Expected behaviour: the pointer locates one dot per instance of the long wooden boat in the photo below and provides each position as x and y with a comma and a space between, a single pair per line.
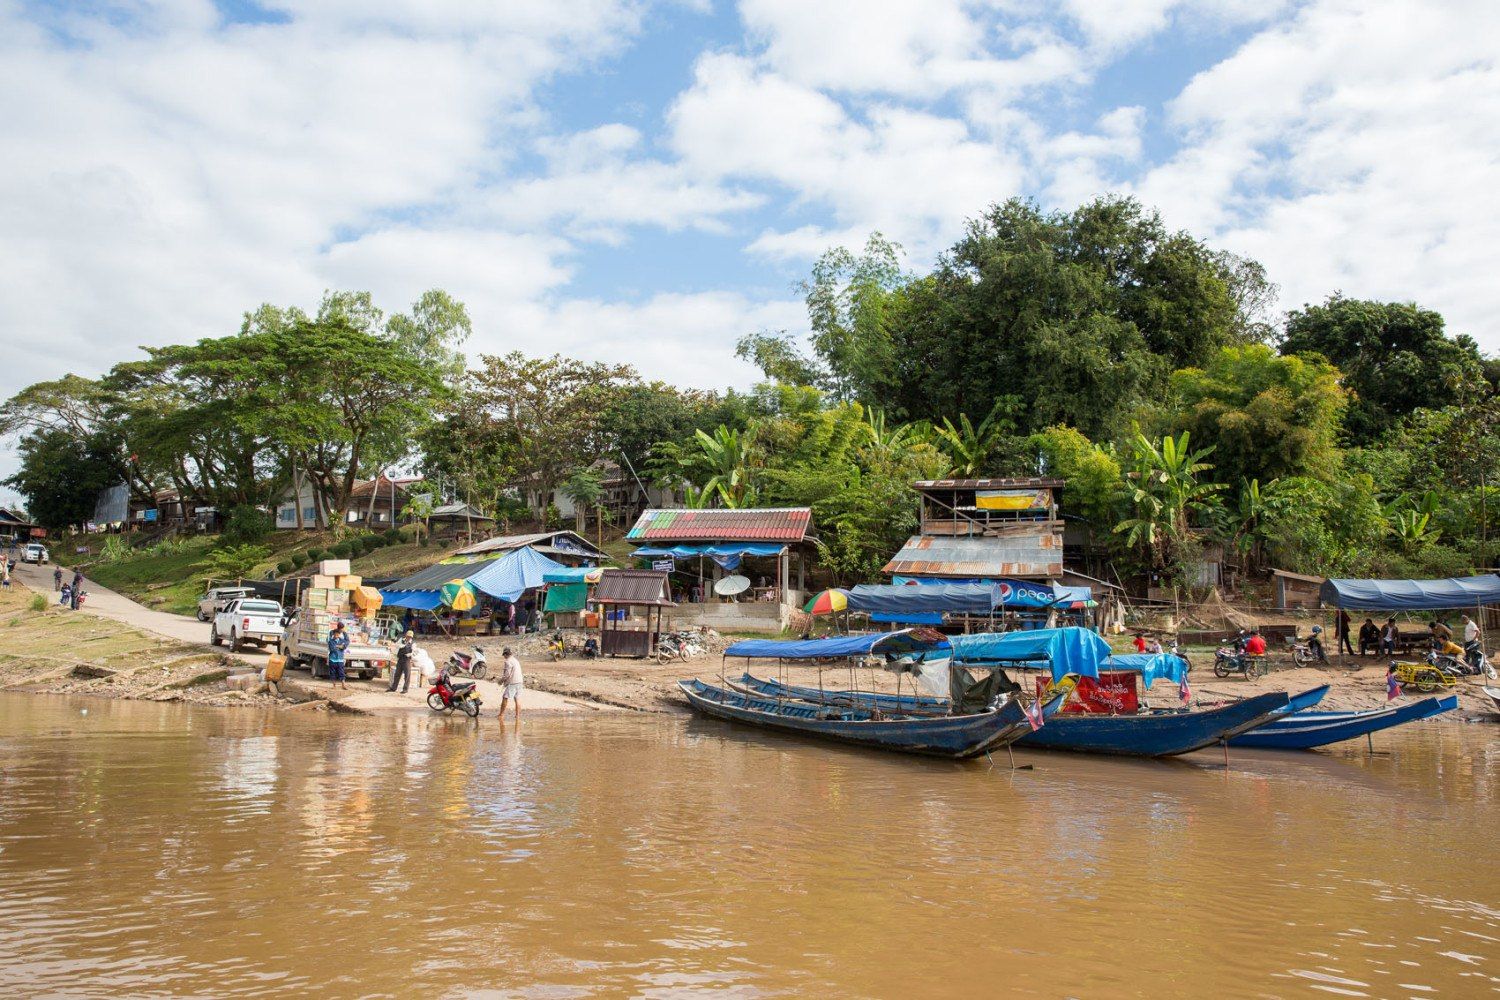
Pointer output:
953, 736
1151, 734
1307, 730
1155, 734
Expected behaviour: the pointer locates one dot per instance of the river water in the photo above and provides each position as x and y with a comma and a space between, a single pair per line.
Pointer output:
167, 850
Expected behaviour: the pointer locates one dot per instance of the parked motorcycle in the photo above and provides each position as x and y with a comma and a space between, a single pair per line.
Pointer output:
445, 696
1311, 651
1232, 659
678, 646
468, 664
1471, 664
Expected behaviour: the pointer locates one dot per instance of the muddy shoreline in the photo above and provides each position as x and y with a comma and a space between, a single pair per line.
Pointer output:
62, 652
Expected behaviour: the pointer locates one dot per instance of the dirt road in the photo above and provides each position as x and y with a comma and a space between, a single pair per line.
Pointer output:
360, 696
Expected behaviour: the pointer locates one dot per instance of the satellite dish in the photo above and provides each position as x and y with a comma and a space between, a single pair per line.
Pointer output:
731, 585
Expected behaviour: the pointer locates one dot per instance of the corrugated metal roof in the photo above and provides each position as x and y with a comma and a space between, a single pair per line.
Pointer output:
1034, 482
1017, 553
633, 586
567, 542
766, 524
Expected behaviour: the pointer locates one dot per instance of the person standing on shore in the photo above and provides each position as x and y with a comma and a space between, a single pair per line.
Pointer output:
5, 573
511, 683
77, 588
403, 663
338, 642
56, 578
1342, 623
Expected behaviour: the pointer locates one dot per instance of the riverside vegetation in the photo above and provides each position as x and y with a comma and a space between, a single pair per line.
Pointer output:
1145, 367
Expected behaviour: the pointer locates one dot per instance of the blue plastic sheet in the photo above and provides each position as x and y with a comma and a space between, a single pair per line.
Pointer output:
417, 600
508, 577
970, 598
1151, 666
833, 646
1413, 595
1066, 650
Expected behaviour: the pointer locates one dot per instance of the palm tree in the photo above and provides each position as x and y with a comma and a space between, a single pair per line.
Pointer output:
725, 456
1166, 493
970, 447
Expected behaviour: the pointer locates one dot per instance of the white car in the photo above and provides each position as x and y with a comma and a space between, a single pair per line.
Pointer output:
248, 619
214, 601
35, 553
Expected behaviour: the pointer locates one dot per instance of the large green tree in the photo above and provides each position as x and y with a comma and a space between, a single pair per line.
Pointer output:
1265, 415
1394, 356
1082, 314
62, 473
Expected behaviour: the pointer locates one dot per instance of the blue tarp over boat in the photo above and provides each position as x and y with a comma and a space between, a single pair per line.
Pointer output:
1067, 650
905, 641
1413, 595
1151, 666
957, 598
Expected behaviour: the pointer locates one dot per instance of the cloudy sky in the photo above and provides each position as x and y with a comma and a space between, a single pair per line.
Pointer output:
645, 181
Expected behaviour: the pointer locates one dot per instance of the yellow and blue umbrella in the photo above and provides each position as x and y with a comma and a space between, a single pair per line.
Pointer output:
458, 595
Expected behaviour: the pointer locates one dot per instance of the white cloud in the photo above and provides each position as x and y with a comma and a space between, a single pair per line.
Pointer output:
911, 174
1352, 148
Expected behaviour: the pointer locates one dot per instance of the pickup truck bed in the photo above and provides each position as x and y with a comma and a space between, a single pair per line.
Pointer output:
363, 660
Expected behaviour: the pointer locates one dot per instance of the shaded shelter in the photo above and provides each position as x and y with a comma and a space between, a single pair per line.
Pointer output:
618, 593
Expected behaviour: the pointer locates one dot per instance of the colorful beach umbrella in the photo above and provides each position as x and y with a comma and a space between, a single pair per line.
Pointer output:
458, 595
827, 602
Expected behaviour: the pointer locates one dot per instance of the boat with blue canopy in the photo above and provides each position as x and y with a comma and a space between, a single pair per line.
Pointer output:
991, 714
1082, 653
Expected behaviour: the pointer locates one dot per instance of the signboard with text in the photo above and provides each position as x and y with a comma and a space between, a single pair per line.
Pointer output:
1114, 693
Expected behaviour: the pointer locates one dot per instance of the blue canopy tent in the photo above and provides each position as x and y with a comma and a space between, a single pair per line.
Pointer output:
840, 646
511, 575
1151, 666
1413, 595
1067, 650
417, 600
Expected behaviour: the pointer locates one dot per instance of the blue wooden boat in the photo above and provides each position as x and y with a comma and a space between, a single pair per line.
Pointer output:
1307, 730
953, 736
860, 699
1307, 699
1149, 734
1155, 734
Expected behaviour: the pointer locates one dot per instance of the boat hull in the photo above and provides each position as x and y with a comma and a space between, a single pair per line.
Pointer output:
1165, 734
956, 737
1309, 730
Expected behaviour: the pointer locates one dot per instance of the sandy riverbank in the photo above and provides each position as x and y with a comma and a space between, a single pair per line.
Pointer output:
107, 653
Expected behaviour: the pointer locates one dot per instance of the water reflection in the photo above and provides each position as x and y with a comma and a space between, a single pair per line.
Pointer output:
155, 848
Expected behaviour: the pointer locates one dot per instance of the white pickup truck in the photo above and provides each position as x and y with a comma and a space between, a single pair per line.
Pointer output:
248, 619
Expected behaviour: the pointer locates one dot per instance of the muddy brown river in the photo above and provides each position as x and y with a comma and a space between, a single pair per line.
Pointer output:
170, 851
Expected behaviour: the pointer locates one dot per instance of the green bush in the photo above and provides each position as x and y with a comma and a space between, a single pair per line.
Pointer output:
236, 562
246, 525
393, 536
340, 550
38, 602
299, 559
284, 567
313, 555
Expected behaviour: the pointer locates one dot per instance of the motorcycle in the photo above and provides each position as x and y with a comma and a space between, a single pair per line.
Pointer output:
1471, 664
1311, 651
1232, 659
468, 664
445, 696
677, 646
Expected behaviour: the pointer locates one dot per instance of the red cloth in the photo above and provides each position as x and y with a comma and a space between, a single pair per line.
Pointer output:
1140, 644
1114, 693
1255, 646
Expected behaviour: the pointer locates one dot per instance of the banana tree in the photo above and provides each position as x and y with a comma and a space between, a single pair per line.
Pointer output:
1167, 495
969, 446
